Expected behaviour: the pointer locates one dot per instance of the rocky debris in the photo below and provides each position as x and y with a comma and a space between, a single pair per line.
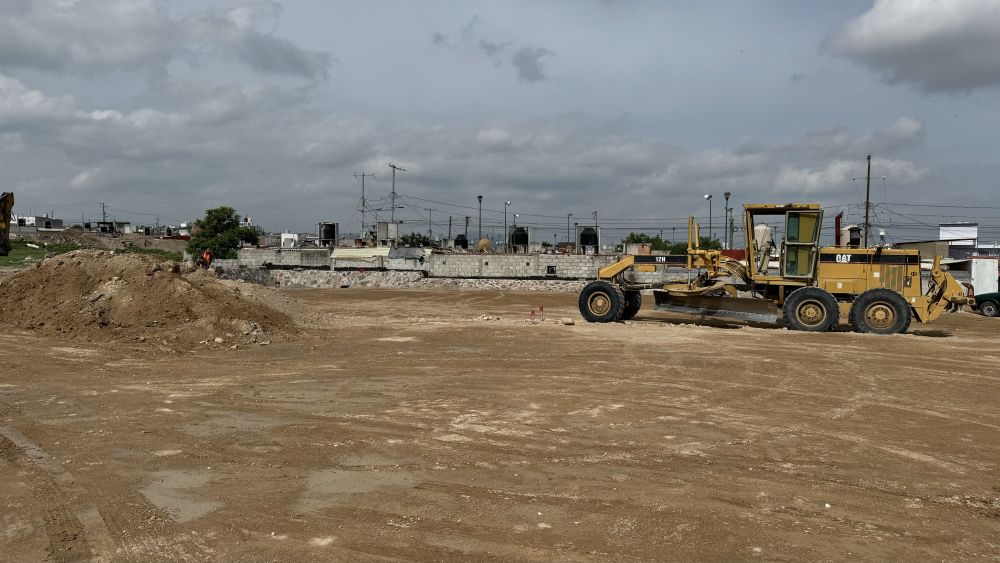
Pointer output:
567, 321
104, 296
394, 280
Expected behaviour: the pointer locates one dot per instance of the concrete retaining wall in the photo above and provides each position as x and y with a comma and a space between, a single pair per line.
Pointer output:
294, 267
553, 266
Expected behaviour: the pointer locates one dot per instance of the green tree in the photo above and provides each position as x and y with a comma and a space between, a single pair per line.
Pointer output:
656, 243
706, 243
220, 231
415, 240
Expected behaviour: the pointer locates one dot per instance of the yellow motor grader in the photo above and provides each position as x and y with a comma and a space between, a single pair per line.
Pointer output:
877, 289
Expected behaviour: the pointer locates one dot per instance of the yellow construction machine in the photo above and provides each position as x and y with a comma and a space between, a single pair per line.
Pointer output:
6, 205
877, 289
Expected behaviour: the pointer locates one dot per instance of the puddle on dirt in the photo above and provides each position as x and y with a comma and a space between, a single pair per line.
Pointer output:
370, 459
325, 488
231, 423
397, 339
72, 354
175, 492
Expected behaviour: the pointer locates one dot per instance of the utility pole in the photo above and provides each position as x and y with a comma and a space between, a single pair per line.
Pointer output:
364, 202
673, 235
466, 227
568, 236
430, 230
480, 198
868, 196
392, 211
104, 214
449, 227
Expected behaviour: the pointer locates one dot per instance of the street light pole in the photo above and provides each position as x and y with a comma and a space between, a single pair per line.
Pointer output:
709, 198
480, 198
568, 237
506, 234
725, 224
598, 233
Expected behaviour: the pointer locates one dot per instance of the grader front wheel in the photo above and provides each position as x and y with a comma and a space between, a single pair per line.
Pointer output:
601, 302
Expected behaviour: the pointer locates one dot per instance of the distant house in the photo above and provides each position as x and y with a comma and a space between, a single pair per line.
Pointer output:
112, 227
43, 222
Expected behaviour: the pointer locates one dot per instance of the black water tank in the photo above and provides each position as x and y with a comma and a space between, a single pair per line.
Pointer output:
327, 234
461, 242
519, 237
588, 237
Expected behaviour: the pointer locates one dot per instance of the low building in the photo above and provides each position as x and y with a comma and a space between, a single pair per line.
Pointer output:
43, 222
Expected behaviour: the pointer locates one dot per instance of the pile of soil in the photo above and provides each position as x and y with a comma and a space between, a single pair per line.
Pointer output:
106, 296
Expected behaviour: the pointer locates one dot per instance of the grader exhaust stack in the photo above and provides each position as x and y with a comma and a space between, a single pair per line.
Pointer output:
877, 290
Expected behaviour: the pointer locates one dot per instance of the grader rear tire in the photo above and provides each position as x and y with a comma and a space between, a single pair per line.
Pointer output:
880, 311
811, 309
601, 302
633, 302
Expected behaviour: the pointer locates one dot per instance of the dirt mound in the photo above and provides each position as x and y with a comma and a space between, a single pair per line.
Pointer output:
102, 296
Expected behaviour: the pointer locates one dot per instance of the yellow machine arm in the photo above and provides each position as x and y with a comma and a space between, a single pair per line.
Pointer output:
6, 204
710, 260
945, 293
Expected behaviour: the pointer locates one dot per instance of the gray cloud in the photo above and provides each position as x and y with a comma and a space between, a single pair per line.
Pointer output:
268, 152
115, 35
174, 107
526, 60
937, 46
494, 51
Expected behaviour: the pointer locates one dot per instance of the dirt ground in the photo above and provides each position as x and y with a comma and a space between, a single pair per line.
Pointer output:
404, 426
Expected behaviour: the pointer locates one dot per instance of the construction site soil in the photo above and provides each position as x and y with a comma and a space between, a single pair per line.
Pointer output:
95, 295
445, 426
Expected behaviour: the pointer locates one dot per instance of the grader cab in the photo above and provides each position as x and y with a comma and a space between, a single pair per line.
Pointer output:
877, 289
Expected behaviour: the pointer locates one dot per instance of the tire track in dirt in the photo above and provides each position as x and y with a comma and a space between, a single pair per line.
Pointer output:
67, 539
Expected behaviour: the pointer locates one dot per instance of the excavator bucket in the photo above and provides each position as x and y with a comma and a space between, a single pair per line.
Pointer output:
744, 308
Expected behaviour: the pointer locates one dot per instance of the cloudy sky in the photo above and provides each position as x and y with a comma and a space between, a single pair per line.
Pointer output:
629, 108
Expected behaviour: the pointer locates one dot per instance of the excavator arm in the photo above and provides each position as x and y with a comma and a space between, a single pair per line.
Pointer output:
6, 205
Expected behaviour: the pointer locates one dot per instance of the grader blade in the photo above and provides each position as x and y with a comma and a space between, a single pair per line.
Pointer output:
747, 309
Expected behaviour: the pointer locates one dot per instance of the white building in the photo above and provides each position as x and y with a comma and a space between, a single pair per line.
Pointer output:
289, 240
959, 234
